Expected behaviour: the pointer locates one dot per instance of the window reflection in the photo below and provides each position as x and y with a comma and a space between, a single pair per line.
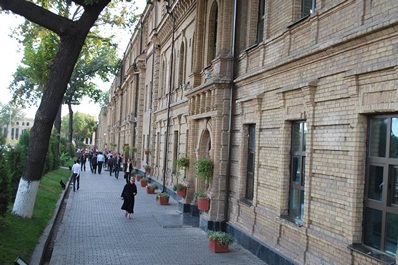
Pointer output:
373, 228
377, 144
394, 138
391, 234
375, 185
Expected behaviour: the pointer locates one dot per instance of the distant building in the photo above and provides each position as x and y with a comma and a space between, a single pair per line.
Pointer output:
14, 130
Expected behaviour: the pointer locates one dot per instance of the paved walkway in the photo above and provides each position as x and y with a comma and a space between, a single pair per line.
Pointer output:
95, 231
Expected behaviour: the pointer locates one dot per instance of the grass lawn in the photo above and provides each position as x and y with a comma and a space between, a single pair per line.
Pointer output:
19, 236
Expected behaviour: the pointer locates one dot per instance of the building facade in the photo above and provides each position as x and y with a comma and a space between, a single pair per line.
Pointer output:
295, 102
12, 131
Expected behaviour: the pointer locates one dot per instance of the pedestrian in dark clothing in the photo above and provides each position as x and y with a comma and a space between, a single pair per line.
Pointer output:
94, 163
83, 160
90, 156
111, 161
128, 195
128, 168
116, 165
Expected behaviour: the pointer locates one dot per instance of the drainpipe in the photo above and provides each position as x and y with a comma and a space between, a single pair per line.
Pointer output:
231, 105
169, 100
151, 96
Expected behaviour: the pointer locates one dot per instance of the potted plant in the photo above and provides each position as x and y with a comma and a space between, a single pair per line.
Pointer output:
180, 189
133, 150
150, 189
144, 182
182, 163
126, 150
204, 169
163, 198
202, 201
219, 241
138, 177
147, 168
147, 151
134, 174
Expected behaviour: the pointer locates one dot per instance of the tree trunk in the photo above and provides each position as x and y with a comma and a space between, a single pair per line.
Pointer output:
70, 122
57, 125
72, 37
25, 198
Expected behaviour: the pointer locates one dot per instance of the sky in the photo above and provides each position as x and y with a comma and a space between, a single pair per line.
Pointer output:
10, 57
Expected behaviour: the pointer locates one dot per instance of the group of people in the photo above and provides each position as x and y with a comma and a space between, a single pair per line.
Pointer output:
98, 160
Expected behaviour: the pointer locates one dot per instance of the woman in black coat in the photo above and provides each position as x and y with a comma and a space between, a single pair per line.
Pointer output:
128, 194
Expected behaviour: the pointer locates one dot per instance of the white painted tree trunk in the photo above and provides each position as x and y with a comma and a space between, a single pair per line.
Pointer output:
26, 197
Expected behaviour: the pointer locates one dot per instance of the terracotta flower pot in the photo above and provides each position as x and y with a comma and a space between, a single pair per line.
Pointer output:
203, 204
144, 183
149, 190
217, 248
163, 200
138, 177
182, 192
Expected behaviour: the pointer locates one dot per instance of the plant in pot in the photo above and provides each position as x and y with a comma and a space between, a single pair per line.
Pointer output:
147, 151
163, 198
138, 176
202, 200
147, 169
180, 189
150, 189
144, 182
219, 241
181, 163
133, 150
134, 174
204, 170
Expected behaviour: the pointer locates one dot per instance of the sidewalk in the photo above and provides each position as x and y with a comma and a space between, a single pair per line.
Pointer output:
95, 231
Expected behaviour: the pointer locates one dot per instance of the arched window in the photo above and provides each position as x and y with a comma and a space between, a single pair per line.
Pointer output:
182, 66
212, 33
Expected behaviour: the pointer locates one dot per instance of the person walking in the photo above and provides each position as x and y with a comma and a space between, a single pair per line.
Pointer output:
76, 174
94, 163
116, 164
128, 197
127, 170
83, 160
90, 156
100, 161
111, 162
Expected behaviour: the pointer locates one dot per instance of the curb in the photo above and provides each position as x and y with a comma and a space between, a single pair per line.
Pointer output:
44, 240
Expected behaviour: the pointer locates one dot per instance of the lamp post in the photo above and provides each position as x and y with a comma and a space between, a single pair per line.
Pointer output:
168, 8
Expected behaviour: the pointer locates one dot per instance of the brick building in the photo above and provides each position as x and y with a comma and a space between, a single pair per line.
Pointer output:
296, 104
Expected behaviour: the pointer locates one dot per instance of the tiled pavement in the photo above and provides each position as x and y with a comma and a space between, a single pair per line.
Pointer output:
94, 230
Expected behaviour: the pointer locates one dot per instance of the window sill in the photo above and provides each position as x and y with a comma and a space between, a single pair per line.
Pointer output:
297, 21
246, 201
372, 253
297, 222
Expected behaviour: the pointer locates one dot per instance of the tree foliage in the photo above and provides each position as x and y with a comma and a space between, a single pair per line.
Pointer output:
83, 126
72, 29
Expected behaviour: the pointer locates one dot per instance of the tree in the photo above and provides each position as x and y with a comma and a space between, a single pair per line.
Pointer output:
83, 126
98, 60
72, 35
